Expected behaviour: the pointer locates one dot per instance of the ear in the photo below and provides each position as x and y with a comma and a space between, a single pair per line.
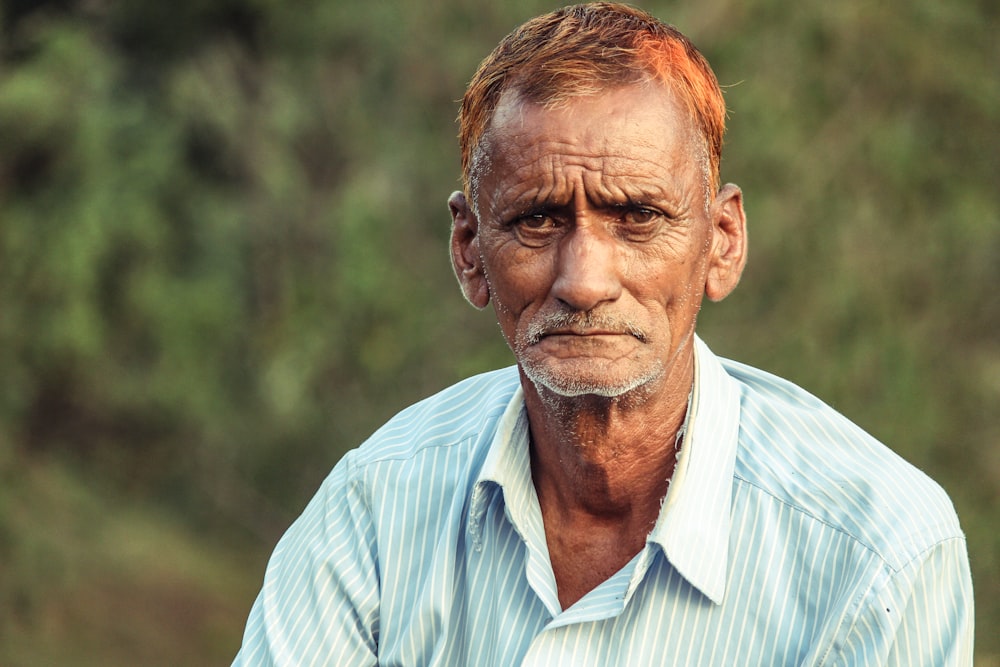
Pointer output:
465, 257
729, 243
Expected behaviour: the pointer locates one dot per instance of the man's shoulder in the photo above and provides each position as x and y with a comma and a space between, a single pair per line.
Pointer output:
802, 453
464, 414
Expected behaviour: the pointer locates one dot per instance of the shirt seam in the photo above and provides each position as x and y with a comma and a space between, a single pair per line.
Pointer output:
838, 652
413, 452
839, 529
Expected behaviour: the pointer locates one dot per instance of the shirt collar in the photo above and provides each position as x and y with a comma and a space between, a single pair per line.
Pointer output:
694, 523
508, 465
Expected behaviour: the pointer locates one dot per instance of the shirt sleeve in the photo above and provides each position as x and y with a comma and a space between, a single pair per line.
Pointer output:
922, 616
320, 598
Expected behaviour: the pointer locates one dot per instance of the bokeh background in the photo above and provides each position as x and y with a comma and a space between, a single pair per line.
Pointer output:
223, 263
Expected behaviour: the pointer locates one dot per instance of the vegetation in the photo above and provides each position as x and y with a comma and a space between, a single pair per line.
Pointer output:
223, 264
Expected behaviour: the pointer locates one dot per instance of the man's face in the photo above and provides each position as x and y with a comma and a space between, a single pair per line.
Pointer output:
595, 237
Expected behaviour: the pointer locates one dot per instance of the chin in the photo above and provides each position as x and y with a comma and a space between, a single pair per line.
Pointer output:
591, 381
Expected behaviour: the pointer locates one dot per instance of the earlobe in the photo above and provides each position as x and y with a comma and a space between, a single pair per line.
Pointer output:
729, 243
465, 257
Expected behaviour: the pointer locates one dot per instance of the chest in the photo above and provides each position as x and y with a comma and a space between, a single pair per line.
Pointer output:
490, 598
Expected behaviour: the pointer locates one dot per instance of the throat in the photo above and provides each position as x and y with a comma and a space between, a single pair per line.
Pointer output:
601, 469
595, 522
585, 557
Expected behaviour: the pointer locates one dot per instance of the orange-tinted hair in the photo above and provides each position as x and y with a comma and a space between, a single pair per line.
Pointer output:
582, 50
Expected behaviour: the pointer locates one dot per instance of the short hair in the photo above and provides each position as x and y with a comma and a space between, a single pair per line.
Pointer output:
583, 50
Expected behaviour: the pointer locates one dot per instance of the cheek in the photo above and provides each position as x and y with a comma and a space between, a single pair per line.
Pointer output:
669, 277
511, 297
505, 293
516, 278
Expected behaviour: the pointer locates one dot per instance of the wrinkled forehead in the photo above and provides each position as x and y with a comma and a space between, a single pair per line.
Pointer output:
525, 124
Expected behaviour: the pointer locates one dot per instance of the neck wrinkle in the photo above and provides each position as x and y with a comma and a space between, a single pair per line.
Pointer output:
605, 458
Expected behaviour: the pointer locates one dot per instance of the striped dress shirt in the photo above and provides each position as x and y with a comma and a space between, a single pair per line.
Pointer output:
788, 536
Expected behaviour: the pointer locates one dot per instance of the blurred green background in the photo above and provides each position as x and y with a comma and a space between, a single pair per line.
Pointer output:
223, 263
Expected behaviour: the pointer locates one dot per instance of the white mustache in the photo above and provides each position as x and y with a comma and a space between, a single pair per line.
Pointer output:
582, 320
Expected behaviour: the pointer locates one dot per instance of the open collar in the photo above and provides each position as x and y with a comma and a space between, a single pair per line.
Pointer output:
693, 526
695, 521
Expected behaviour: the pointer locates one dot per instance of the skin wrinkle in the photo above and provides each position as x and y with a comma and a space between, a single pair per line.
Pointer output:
512, 102
482, 163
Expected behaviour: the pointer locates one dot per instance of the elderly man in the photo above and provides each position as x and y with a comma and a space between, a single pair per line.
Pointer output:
622, 496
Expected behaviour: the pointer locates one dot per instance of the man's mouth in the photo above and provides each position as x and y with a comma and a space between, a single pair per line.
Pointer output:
582, 324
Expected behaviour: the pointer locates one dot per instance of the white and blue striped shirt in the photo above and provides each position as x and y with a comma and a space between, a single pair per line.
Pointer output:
788, 537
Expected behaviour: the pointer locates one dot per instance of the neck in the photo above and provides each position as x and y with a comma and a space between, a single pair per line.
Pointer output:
607, 459
601, 468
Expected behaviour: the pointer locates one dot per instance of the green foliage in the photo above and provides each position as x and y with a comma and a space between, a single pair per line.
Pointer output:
89, 581
223, 243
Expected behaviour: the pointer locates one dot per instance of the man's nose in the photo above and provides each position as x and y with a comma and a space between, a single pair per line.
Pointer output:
587, 269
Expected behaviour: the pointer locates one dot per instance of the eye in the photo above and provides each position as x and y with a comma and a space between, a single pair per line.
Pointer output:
536, 229
640, 223
640, 216
536, 221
